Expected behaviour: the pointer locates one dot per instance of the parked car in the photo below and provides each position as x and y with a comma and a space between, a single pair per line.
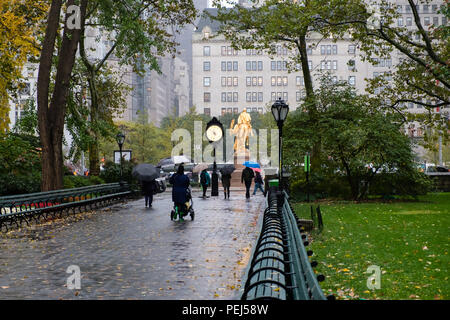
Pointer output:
437, 169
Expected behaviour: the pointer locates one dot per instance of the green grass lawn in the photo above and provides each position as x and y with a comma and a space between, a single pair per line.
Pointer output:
407, 240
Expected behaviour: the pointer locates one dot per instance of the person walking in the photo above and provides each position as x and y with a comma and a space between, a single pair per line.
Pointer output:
148, 189
226, 183
205, 180
247, 177
258, 183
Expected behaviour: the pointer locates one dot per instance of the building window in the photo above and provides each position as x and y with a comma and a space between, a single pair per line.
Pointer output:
229, 81
224, 81
285, 81
223, 97
400, 22
285, 96
260, 65
408, 21
206, 51
407, 8
248, 81
279, 81
273, 65
207, 111
351, 49
352, 80
223, 66
235, 110
223, 50
436, 21
260, 97
334, 64
235, 66
206, 66
273, 81
224, 111
248, 97
206, 81
426, 8
298, 96
235, 97
273, 96
229, 96
299, 81
207, 97
426, 21
260, 81
334, 49
235, 81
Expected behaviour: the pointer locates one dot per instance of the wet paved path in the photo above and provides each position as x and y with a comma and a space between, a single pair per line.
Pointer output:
129, 252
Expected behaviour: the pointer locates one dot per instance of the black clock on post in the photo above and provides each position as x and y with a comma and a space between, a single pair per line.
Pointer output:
214, 134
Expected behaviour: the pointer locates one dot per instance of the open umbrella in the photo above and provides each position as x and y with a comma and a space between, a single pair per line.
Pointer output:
227, 169
145, 172
251, 164
200, 167
256, 170
180, 159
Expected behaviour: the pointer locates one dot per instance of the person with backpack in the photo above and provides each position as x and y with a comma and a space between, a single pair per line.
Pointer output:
247, 177
258, 183
205, 180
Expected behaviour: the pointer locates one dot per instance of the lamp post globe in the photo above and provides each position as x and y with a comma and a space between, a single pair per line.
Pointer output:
280, 111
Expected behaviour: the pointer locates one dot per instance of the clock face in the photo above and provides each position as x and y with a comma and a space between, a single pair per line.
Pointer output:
214, 133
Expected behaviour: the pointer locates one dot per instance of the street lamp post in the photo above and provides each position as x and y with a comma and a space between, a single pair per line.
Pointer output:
120, 138
280, 111
214, 134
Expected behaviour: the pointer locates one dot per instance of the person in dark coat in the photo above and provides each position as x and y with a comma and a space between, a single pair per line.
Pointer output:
226, 183
258, 183
148, 189
180, 183
247, 177
205, 180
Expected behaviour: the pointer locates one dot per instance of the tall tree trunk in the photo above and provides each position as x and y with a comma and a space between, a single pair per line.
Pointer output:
51, 116
311, 104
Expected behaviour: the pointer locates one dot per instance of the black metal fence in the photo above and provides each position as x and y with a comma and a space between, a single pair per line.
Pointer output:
17, 209
280, 267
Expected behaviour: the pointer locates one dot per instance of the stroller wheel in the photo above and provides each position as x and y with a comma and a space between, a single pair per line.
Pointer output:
172, 215
192, 215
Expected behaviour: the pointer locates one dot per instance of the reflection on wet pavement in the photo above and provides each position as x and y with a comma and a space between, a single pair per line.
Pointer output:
130, 252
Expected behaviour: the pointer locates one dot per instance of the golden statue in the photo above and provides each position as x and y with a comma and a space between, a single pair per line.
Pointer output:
242, 130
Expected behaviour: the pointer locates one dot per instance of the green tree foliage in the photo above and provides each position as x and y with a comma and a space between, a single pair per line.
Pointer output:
359, 143
137, 31
149, 144
20, 164
21, 22
111, 93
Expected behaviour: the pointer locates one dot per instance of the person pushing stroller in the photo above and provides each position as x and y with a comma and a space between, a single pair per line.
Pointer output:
180, 194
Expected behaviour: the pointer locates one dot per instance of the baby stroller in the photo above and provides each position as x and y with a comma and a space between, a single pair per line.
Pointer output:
181, 210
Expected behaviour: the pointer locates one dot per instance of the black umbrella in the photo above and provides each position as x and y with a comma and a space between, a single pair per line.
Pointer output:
227, 169
145, 172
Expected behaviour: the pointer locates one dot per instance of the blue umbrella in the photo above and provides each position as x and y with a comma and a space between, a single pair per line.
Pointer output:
251, 164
